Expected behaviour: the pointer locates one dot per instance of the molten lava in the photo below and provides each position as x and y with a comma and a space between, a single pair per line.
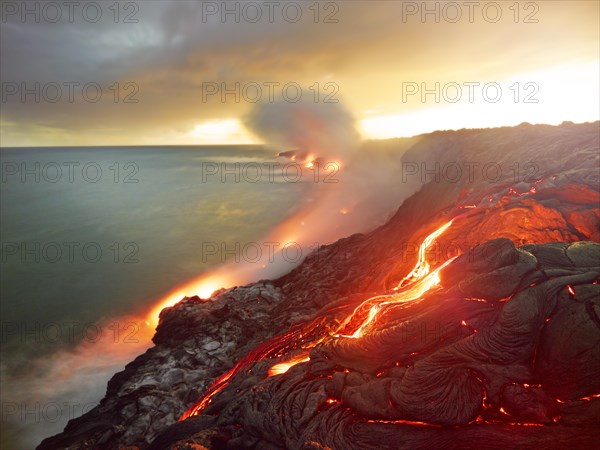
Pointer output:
412, 287
280, 368
292, 340
422, 268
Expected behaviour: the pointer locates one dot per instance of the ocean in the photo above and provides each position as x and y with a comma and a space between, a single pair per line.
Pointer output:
92, 233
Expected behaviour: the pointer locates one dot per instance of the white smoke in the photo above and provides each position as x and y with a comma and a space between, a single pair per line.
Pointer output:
326, 130
369, 186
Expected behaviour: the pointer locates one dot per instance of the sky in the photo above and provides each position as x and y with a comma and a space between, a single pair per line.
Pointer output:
186, 73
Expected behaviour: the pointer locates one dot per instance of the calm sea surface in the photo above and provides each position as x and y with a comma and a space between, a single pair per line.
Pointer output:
96, 232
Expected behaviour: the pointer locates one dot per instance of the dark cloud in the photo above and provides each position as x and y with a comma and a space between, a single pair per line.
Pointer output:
171, 50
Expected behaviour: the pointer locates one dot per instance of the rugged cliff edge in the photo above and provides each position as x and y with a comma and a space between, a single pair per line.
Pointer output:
512, 382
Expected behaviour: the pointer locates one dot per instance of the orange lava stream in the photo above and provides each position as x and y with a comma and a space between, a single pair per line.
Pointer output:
405, 422
283, 367
306, 336
412, 287
292, 340
422, 268
410, 294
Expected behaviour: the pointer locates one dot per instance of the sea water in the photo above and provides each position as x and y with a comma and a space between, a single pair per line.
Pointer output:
90, 233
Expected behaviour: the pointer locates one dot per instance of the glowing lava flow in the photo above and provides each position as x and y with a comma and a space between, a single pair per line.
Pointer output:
411, 287
293, 339
422, 268
283, 367
414, 293
306, 336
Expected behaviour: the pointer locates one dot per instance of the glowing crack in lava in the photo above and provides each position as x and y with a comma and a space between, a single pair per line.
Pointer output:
411, 288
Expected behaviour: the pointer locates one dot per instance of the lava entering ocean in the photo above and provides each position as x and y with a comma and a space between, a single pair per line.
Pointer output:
469, 318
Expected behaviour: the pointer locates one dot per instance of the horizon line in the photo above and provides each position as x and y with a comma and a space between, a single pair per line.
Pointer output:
564, 122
